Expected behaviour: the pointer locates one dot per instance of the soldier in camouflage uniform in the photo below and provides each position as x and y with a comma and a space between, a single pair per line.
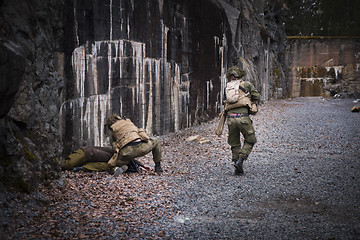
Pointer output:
130, 142
95, 159
238, 120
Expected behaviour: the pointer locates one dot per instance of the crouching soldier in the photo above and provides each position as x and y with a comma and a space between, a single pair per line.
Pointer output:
130, 142
95, 159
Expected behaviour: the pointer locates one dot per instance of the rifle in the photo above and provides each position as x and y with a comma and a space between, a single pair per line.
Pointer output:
113, 159
220, 126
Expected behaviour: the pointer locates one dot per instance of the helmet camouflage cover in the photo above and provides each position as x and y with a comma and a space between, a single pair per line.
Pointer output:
236, 71
112, 119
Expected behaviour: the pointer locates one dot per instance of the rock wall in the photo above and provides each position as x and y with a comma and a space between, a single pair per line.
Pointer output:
67, 65
159, 63
258, 44
30, 33
162, 63
324, 66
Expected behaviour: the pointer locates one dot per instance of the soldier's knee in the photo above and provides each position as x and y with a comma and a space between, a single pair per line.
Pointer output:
65, 165
154, 141
251, 138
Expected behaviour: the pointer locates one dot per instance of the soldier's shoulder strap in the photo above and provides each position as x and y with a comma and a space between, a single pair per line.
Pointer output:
243, 89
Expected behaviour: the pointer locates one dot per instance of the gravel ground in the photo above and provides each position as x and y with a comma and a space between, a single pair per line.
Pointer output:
301, 182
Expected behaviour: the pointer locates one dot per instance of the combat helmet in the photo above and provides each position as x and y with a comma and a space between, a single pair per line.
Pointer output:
112, 119
236, 71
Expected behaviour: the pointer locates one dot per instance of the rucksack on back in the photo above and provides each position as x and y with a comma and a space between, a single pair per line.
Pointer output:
233, 92
238, 96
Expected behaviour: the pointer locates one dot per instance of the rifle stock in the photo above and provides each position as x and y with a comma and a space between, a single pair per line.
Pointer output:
220, 126
113, 159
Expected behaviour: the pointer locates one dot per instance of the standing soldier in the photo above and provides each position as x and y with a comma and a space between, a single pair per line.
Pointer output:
130, 142
241, 99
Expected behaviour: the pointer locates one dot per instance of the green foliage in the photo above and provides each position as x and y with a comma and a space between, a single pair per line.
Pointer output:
323, 18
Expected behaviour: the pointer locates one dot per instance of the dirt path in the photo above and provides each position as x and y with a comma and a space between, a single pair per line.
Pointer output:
300, 182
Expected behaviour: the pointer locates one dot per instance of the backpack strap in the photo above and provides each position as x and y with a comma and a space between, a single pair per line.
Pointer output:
243, 89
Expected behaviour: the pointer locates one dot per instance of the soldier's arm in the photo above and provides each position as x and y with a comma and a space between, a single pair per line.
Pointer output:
111, 140
255, 95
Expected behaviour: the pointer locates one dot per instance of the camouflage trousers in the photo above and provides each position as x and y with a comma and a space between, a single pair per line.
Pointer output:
244, 126
128, 153
78, 159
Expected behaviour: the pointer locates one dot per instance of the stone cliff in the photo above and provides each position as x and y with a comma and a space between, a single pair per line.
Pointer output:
31, 33
158, 63
67, 65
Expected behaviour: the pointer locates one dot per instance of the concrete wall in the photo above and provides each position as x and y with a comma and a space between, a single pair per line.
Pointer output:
320, 66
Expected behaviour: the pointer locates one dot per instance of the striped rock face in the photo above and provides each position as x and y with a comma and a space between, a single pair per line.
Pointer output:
157, 64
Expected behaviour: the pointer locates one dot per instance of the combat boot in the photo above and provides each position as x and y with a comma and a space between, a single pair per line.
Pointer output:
158, 167
76, 169
132, 167
239, 167
119, 170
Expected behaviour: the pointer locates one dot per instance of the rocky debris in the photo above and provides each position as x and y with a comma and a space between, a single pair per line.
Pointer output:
198, 139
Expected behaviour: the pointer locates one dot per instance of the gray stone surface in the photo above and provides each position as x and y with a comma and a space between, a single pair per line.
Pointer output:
30, 86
